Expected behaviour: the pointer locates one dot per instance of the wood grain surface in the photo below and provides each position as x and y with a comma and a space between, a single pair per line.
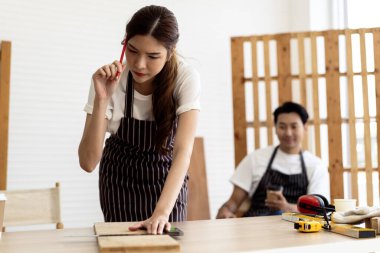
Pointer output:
134, 241
266, 234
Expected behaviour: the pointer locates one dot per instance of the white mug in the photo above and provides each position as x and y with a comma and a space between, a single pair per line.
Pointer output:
343, 205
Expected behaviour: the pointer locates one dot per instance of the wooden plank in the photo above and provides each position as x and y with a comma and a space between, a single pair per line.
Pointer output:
351, 115
255, 89
131, 241
323, 121
301, 65
367, 130
116, 228
283, 62
5, 76
198, 207
138, 243
376, 48
308, 76
240, 134
268, 91
314, 74
333, 114
302, 79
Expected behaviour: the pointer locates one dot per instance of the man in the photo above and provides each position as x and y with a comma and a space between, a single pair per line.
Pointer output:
286, 171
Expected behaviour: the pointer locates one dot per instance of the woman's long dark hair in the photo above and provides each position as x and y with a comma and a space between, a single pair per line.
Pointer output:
161, 24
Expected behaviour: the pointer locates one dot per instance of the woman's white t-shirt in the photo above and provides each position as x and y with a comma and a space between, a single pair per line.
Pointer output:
186, 94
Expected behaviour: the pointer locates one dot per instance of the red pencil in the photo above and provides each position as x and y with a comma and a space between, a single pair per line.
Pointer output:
122, 55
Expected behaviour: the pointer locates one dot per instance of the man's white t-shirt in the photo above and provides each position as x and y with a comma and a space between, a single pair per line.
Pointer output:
252, 168
186, 94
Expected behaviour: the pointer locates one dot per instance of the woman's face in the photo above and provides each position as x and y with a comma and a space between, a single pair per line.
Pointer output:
146, 57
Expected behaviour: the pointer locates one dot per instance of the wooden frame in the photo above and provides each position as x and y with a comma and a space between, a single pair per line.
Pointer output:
337, 74
5, 76
33, 207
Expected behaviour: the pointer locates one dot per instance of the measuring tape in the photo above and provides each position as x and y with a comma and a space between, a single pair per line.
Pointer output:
308, 226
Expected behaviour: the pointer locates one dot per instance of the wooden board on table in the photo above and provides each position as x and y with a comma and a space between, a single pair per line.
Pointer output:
133, 241
116, 228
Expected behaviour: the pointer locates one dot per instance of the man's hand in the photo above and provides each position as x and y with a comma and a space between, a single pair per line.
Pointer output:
276, 201
225, 213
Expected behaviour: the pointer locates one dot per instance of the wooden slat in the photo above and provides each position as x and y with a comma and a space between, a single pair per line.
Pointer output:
376, 47
359, 169
240, 134
302, 79
367, 130
351, 120
305, 34
314, 74
308, 76
283, 62
5, 76
255, 89
333, 114
322, 121
301, 65
268, 91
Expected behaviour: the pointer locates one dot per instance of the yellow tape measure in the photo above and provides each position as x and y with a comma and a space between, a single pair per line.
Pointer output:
307, 226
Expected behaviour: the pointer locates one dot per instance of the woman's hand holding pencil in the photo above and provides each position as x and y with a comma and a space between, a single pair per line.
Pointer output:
106, 78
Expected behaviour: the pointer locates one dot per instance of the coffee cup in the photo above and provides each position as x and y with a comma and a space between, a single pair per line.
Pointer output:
273, 190
343, 205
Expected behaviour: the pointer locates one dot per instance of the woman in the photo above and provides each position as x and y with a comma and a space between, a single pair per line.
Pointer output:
151, 110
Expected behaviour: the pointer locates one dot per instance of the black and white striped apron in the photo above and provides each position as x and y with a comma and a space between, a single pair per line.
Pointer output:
132, 172
294, 186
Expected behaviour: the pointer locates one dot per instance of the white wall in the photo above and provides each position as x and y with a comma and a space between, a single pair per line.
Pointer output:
58, 44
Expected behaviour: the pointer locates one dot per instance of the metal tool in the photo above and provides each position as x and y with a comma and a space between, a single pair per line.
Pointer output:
174, 231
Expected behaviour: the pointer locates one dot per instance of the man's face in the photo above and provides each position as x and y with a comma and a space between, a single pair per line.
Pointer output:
290, 130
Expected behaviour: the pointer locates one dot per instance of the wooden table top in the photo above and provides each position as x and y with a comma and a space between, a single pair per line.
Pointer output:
269, 234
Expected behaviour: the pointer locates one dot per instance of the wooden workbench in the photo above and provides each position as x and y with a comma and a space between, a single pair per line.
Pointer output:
233, 235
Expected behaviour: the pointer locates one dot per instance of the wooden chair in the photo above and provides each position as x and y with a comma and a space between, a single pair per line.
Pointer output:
33, 207
198, 204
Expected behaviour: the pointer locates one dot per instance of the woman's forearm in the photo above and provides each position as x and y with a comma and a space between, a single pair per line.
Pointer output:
173, 183
183, 147
91, 145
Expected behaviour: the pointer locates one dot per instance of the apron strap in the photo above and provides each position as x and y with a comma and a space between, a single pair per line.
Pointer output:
128, 112
272, 158
303, 166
